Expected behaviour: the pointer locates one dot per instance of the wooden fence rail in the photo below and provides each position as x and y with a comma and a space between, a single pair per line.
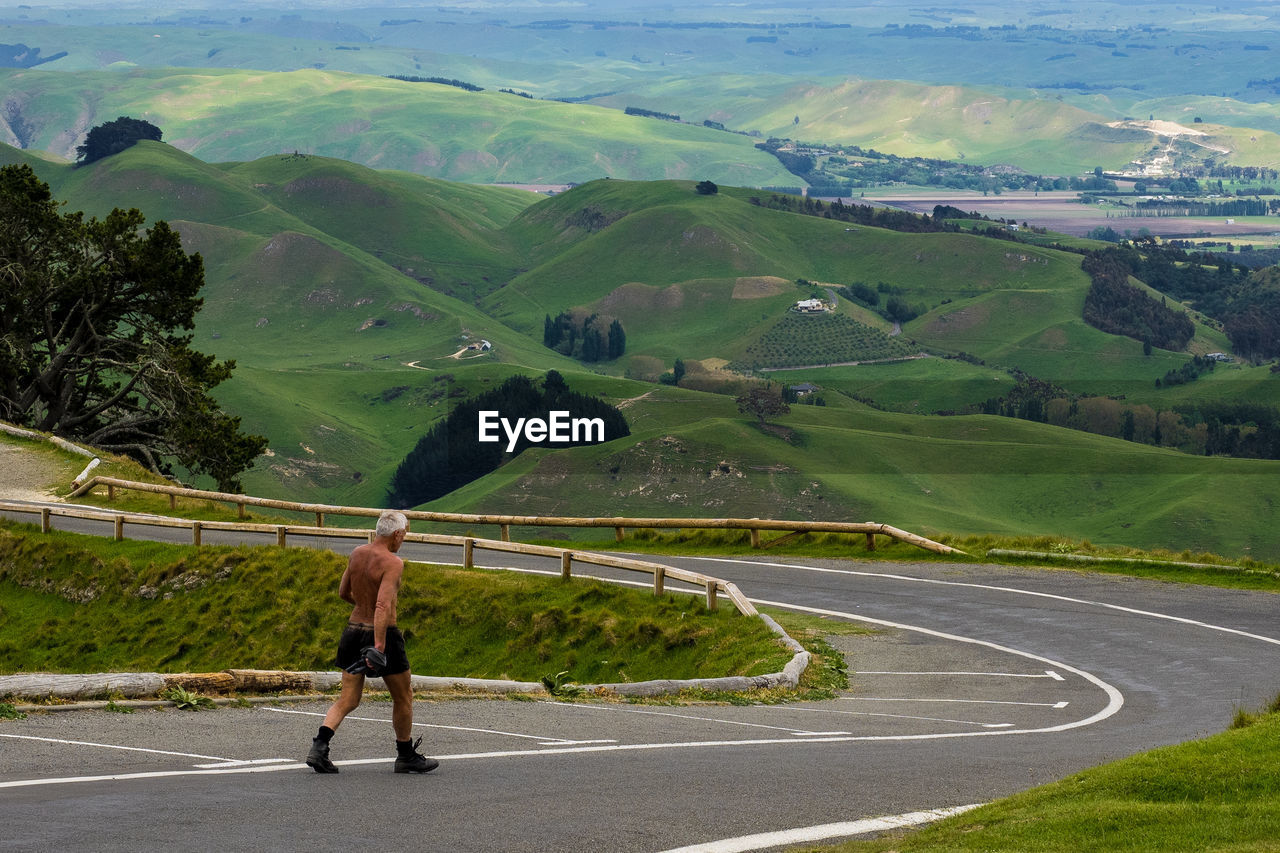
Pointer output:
710, 585
506, 522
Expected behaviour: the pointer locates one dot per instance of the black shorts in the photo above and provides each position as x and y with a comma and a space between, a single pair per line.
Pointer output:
356, 636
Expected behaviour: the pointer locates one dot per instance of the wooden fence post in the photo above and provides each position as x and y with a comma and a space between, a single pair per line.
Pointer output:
173, 501
196, 528
469, 553
619, 533
659, 580
119, 527
871, 541
755, 537
506, 532
240, 507
319, 519
711, 595
111, 492
280, 535
566, 558
45, 520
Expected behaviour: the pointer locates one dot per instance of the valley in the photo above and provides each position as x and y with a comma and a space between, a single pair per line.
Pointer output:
378, 250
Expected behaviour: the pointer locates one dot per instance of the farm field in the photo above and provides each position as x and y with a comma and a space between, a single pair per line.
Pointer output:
1064, 213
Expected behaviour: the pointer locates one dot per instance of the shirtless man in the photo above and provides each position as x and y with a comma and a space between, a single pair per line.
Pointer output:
372, 583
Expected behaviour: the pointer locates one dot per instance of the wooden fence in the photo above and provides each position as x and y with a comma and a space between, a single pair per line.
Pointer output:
756, 526
712, 587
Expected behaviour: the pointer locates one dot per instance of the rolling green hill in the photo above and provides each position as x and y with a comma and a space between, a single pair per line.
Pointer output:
981, 474
430, 129
331, 285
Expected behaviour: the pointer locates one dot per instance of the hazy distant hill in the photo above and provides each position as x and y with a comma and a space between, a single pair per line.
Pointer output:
426, 128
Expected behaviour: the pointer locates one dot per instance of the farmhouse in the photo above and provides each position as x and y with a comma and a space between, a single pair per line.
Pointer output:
811, 306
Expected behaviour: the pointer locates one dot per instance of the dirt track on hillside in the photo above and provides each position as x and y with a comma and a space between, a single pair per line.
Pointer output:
29, 476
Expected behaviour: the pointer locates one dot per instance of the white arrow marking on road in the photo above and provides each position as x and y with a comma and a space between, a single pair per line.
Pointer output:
905, 717
542, 741
957, 701
244, 763
790, 729
1048, 673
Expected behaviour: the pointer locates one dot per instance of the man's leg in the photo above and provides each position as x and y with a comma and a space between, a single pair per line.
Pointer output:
348, 700
408, 760
401, 689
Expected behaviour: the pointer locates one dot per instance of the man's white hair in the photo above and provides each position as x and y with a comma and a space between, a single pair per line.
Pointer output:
390, 522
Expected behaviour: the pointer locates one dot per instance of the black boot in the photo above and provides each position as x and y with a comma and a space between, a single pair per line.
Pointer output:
409, 760
318, 757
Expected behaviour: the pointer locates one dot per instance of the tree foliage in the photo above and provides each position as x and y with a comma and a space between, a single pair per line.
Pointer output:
584, 337
451, 455
1115, 306
763, 403
90, 340
114, 137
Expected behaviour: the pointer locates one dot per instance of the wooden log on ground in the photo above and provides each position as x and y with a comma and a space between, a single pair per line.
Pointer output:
37, 685
270, 681
202, 682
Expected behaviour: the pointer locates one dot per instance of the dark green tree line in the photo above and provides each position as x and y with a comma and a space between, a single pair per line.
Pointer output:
451, 455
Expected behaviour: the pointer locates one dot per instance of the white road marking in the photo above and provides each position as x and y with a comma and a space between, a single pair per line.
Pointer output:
810, 834
1115, 701
1180, 619
1048, 673
117, 746
1055, 705
243, 763
904, 717
791, 729
542, 741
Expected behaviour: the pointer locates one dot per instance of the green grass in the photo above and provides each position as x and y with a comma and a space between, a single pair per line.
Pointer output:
1220, 793
479, 137
1158, 564
82, 604
933, 476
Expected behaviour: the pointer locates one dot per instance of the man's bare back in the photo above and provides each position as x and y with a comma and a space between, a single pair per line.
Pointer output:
372, 584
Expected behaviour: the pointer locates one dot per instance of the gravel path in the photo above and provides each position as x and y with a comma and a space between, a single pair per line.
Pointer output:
29, 475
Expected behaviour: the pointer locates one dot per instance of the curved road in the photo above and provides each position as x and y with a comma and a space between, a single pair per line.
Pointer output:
979, 681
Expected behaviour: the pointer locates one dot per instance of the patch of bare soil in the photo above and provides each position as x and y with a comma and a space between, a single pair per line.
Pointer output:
759, 287
29, 476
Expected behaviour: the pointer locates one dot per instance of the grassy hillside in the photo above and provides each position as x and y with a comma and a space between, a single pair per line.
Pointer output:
980, 125
708, 277
95, 605
699, 457
437, 130
345, 338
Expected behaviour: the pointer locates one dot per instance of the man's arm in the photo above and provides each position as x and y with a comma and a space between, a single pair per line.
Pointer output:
384, 612
344, 586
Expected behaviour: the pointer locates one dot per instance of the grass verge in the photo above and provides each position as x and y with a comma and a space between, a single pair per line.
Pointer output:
73, 603
1220, 793
1211, 569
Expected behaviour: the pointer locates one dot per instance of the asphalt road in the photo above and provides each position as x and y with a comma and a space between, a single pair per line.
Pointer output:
981, 681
